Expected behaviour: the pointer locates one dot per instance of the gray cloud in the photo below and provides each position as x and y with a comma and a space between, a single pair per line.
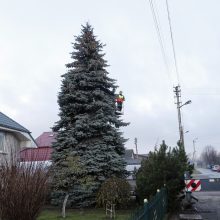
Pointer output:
35, 43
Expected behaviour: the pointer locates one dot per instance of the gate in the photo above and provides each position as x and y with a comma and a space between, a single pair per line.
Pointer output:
208, 184
211, 184
154, 210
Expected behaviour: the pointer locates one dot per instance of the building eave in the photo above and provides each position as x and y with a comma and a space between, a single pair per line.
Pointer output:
6, 128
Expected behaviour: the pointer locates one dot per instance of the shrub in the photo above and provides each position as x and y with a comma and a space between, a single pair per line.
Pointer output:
115, 191
163, 166
23, 189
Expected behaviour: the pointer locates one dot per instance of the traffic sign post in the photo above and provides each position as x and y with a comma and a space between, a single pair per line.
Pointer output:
191, 185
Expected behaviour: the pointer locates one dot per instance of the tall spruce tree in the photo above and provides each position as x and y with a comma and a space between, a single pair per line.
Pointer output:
88, 129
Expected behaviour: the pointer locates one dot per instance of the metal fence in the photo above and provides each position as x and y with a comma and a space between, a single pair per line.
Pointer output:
155, 209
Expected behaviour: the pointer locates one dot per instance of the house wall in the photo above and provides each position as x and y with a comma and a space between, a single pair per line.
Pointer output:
12, 144
131, 168
26, 140
9, 142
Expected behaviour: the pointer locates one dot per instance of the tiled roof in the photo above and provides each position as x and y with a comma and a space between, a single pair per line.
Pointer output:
7, 122
36, 154
46, 139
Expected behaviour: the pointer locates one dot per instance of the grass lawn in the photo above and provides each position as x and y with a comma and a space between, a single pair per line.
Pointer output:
91, 214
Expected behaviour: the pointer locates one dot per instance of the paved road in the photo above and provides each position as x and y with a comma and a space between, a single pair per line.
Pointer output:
209, 201
208, 205
206, 174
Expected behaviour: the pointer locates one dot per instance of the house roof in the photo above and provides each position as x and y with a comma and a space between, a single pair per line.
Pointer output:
36, 154
129, 153
133, 159
46, 139
142, 156
7, 122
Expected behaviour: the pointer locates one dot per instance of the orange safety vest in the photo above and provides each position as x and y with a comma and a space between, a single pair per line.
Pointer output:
120, 98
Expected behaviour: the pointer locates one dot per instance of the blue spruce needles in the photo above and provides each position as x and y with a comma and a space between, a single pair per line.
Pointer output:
89, 147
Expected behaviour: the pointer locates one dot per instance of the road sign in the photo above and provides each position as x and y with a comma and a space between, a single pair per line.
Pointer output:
193, 185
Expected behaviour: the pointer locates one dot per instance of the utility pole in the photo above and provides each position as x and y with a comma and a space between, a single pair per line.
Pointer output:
194, 149
135, 142
177, 92
179, 104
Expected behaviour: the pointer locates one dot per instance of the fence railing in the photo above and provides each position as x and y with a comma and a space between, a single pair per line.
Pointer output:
155, 209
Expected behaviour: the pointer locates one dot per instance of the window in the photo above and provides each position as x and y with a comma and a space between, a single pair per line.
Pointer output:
2, 138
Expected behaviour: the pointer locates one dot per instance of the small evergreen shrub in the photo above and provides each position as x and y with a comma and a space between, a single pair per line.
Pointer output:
164, 166
115, 191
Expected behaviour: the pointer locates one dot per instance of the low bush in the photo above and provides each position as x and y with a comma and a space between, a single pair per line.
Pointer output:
23, 189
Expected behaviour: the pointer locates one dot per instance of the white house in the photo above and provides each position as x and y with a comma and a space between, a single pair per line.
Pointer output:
133, 163
13, 136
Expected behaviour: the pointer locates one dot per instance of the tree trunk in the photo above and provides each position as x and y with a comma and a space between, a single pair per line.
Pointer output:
64, 206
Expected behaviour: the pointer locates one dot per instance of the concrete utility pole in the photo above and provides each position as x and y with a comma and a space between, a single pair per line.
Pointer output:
135, 142
177, 92
179, 104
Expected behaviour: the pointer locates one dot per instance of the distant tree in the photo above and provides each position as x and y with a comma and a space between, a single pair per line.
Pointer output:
163, 167
210, 155
88, 128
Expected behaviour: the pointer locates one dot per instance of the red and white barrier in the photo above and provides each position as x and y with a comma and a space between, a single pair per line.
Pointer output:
193, 185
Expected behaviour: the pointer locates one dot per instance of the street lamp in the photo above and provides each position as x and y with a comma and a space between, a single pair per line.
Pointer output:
186, 103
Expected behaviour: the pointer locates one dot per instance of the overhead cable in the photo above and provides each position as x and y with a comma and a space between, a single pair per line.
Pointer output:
172, 40
157, 26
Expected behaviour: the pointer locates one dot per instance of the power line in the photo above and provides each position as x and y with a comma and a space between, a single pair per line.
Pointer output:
157, 26
203, 91
172, 40
204, 94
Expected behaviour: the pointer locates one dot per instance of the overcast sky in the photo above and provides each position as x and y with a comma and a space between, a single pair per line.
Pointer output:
35, 42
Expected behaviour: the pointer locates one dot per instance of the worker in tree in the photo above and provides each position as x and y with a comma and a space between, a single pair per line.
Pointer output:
119, 100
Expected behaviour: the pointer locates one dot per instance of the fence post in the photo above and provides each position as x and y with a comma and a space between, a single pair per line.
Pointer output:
145, 209
154, 209
164, 201
158, 208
